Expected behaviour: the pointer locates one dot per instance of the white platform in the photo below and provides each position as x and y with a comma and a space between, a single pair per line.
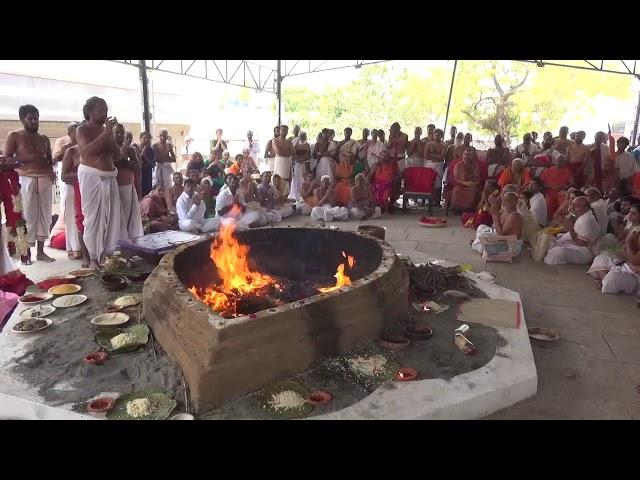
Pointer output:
508, 378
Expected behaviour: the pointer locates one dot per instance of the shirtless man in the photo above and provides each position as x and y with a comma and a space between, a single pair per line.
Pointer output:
431, 128
296, 135
362, 200
497, 157
269, 153
73, 209
97, 173
466, 143
415, 149
324, 198
36, 178
434, 156
165, 156
128, 167
397, 145
452, 132
577, 158
283, 149
561, 143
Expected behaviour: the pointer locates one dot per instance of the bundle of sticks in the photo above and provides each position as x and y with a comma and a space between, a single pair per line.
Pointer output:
432, 279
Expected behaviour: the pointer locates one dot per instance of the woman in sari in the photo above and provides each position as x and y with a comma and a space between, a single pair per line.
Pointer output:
381, 178
515, 175
467, 178
556, 179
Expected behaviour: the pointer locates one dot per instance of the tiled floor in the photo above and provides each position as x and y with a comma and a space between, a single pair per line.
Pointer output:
592, 372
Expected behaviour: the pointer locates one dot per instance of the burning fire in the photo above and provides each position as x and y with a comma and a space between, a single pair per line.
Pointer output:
230, 258
342, 280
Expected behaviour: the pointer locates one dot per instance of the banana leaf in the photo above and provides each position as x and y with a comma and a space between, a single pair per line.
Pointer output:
286, 413
163, 402
140, 331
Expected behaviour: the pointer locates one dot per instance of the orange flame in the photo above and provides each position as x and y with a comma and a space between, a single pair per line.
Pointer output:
230, 258
342, 280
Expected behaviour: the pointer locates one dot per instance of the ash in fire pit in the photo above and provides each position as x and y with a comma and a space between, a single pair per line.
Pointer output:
240, 290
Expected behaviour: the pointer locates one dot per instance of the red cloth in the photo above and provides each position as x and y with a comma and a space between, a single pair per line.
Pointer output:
78, 202
59, 241
419, 179
559, 178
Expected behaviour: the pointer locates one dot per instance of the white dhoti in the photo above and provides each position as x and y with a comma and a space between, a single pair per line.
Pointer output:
324, 167
194, 226
297, 180
282, 167
130, 212
36, 200
328, 213
620, 278
484, 231
244, 221
68, 209
414, 162
163, 175
101, 209
562, 251
303, 208
439, 168
358, 214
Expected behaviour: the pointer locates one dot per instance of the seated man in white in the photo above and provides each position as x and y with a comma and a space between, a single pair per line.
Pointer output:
599, 208
190, 209
537, 202
230, 204
268, 196
581, 241
326, 209
506, 221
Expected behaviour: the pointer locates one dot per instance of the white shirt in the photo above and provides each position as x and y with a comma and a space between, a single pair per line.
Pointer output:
225, 199
254, 149
187, 210
626, 165
373, 153
532, 150
601, 215
538, 207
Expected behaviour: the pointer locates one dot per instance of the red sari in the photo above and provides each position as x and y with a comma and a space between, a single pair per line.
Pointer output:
383, 183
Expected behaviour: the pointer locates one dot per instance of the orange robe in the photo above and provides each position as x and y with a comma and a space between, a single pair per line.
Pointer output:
559, 178
465, 198
342, 191
507, 178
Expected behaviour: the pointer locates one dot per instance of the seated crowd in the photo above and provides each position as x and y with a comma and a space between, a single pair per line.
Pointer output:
569, 202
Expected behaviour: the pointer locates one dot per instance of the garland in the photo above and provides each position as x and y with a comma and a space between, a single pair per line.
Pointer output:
17, 242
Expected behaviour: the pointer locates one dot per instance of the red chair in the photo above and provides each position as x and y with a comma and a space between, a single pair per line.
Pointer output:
418, 184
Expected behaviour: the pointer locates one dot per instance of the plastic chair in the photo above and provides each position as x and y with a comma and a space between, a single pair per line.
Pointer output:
418, 184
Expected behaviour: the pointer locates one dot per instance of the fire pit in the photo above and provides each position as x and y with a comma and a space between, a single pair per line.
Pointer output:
310, 293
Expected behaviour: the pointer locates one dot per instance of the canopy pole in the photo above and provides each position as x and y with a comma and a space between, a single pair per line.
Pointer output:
635, 124
144, 82
279, 93
453, 77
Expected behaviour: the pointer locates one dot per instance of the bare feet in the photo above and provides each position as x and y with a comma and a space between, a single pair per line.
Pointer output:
43, 257
94, 264
598, 284
26, 259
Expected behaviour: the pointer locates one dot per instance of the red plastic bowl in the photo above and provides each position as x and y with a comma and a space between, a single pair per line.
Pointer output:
406, 374
319, 397
96, 358
101, 405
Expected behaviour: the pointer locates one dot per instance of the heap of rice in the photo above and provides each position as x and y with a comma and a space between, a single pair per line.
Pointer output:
370, 366
287, 399
123, 340
140, 407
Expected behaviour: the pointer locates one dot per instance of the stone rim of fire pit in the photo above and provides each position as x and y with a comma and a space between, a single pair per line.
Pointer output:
166, 268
